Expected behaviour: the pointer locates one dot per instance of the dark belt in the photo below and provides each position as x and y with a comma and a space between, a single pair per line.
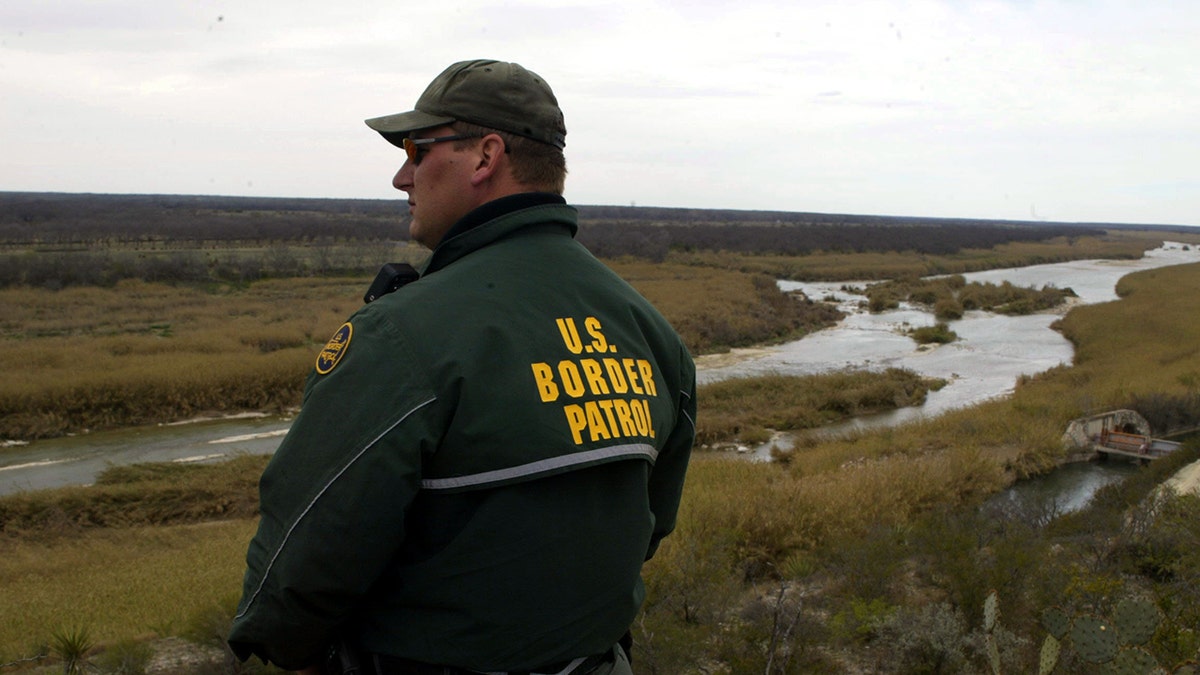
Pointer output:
392, 665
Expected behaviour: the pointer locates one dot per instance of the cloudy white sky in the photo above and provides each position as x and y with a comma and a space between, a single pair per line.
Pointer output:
1066, 110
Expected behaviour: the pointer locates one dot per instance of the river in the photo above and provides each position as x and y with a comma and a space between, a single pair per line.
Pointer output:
992, 353
993, 350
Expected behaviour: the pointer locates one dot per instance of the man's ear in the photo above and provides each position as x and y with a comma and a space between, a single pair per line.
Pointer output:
490, 156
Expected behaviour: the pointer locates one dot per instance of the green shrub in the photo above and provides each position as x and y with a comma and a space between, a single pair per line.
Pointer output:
127, 657
929, 639
861, 619
936, 334
948, 309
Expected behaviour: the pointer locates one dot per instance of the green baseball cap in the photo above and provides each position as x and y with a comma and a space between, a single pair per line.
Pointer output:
492, 94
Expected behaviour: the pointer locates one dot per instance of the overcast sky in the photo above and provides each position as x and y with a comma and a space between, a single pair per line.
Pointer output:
1064, 110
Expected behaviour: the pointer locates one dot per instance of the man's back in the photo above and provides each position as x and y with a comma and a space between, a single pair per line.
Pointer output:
485, 457
526, 453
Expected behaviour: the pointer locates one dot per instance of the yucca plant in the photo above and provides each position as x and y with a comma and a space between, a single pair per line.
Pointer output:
72, 646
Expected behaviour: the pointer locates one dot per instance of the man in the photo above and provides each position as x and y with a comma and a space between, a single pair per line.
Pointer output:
484, 457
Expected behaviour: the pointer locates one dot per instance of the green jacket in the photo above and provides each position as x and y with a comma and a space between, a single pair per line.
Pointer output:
483, 460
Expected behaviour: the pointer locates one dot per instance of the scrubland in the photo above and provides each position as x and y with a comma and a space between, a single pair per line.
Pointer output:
873, 551
137, 353
870, 553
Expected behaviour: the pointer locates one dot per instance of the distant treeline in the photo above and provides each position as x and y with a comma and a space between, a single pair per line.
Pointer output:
50, 221
59, 269
651, 232
654, 241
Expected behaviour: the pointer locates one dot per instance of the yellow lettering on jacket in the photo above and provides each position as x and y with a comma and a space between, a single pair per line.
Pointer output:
631, 373
544, 377
616, 376
572, 383
603, 399
609, 419
570, 335
595, 377
599, 342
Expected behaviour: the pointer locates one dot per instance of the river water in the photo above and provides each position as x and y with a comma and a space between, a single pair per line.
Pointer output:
993, 350
991, 354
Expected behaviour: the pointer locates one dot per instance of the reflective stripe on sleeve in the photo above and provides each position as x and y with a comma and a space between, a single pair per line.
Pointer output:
320, 493
633, 451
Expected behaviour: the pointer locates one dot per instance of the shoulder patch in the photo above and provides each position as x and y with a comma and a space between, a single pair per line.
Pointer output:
335, 349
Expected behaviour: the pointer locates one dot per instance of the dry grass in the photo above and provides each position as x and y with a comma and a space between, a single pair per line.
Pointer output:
148, 550
117, 583
744, 409
716, 309
137, 495
89, 358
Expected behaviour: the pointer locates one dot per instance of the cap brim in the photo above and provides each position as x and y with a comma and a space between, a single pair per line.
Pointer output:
396, 127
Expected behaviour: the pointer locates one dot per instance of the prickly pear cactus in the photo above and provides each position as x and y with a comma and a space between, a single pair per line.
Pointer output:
991, 611
991, 617
1056, 622
1115, 643
1048, 658
1094, 639
1133, 662
1136, 621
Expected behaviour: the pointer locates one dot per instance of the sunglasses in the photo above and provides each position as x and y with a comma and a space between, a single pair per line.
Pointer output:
412, 145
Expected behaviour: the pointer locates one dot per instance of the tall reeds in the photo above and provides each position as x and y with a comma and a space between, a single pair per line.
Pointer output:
744, 409
138, 353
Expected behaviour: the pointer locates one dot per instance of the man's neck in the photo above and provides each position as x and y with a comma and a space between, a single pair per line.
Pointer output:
499, 207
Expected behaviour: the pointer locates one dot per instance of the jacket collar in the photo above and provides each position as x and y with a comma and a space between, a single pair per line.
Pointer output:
498, 219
